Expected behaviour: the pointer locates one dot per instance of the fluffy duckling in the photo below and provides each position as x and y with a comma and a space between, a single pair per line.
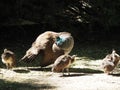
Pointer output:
110, 62
63, 62
8, 58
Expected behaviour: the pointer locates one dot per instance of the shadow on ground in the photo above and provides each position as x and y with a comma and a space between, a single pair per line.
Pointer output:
6, 85
21, 71
116, 74
74, 70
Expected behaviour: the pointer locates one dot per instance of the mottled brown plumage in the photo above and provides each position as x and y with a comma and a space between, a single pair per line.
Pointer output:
45, 49
8, 58
110, 62
63, 62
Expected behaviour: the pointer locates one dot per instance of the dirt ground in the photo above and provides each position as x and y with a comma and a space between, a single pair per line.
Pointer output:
80, 78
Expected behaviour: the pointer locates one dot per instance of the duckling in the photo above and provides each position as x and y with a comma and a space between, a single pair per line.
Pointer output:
8, 58
110, 62
63, 62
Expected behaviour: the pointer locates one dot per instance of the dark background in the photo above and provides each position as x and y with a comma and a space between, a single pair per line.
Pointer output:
85, 19
89, 21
